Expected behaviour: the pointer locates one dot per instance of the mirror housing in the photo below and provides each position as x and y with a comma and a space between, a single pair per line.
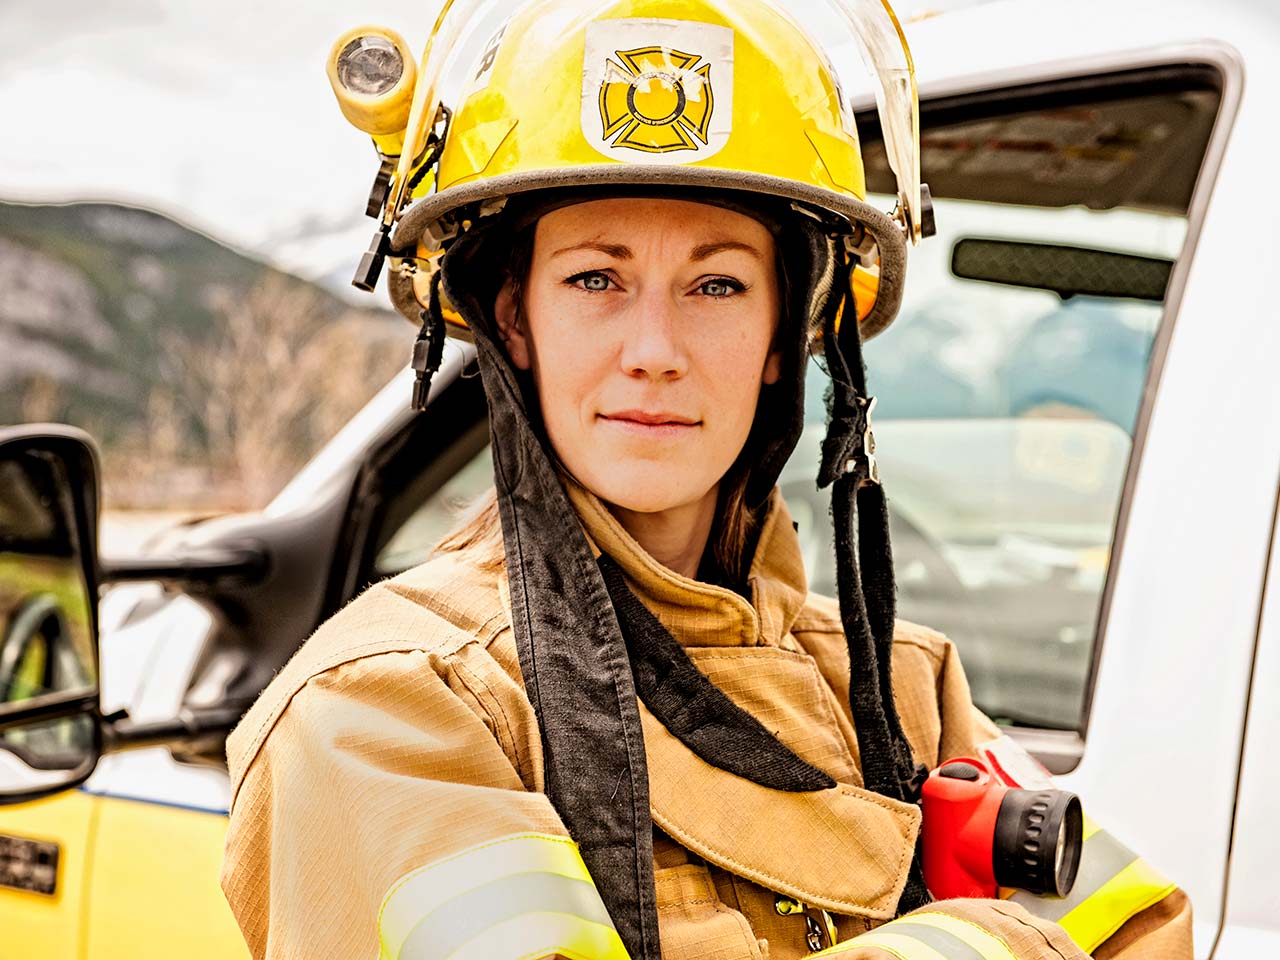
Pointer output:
50, 715
1065, 270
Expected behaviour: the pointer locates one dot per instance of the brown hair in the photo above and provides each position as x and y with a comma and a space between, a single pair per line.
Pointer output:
479, 526
479, 530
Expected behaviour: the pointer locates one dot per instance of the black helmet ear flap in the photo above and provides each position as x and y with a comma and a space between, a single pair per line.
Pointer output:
573, 657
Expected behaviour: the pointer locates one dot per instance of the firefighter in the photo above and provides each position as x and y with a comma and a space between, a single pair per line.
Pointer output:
606, 719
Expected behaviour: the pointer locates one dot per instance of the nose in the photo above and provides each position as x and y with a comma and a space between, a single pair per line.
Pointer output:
652, 339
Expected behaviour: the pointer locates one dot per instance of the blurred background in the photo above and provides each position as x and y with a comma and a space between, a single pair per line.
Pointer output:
182, 210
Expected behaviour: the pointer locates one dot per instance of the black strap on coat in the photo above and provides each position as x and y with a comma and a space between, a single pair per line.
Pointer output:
693, 709
865, 585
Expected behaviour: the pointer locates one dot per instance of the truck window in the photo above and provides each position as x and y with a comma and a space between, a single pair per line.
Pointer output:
1010, 386
412, 542
1009, 394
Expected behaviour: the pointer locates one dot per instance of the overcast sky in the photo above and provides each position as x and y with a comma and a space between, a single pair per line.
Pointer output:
218, 114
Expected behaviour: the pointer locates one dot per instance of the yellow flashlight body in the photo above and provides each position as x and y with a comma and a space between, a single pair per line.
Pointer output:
376, 103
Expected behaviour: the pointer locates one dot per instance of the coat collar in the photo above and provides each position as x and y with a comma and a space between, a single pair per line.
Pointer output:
703, 614
843, 849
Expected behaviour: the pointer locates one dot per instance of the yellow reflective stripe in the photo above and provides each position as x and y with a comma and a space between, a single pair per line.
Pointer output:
1125, 895
535, 935
928, 936
422, 891
453, 923
1112, 885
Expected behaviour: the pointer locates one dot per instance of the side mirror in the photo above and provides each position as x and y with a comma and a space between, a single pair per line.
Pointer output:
50, 718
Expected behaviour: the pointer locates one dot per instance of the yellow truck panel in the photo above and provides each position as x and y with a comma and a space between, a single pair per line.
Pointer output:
43, 925
169, 858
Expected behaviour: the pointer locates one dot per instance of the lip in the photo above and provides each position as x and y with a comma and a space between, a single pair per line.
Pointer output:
651, 424
649, 418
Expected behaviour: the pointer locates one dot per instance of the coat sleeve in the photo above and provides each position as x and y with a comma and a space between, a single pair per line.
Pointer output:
1121, 908
961, 930
380, 815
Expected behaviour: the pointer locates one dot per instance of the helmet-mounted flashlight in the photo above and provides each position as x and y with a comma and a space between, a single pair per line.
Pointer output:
370, 66
372, 73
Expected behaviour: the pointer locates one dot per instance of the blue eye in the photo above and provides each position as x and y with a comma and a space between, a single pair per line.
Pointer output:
720, 287
592, 281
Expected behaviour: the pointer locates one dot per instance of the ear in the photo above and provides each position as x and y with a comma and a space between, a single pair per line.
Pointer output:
772, 368
511, 328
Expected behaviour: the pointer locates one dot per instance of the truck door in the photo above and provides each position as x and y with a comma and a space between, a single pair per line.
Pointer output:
1035, 401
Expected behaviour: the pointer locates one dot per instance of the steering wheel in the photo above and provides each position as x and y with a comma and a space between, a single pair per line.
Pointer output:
39, 616
911, 543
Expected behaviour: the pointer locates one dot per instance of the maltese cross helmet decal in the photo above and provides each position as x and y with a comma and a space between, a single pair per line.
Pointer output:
657, 87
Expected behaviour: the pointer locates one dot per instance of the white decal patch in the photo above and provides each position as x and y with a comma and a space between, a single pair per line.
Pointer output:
657, 91
1012, 765
484, 67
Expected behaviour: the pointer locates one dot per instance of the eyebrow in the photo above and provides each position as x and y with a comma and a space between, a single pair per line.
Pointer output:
707, 250
618, 251
621, 251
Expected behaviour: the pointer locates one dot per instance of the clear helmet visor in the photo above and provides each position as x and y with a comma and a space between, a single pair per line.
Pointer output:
464, 27
878, 34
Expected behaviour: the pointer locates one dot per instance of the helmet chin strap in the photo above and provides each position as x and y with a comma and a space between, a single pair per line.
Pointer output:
865, 581
428, 348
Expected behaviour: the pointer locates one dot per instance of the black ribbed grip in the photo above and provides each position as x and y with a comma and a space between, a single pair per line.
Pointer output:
1037, 841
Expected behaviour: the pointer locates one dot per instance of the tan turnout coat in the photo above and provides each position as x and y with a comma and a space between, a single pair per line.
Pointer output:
400, 734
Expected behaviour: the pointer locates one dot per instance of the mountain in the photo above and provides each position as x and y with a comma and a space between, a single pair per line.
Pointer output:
130, 324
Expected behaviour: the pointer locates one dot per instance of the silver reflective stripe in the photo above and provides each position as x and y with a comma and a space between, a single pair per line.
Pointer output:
947, 944
467, 915
1101, 859
932, 934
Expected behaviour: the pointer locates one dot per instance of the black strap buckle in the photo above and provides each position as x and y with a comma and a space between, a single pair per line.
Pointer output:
850, 446
862, 458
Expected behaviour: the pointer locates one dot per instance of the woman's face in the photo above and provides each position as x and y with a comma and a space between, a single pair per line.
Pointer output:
648, 326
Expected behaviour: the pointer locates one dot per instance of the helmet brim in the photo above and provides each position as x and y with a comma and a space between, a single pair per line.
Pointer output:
890, 240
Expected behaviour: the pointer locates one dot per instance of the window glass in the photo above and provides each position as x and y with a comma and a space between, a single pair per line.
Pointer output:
412, 543
1003, 430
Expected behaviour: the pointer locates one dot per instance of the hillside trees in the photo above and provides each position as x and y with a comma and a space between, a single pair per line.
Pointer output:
240, 410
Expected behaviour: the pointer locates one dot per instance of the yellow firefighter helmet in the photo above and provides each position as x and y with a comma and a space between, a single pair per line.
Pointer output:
721, 94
